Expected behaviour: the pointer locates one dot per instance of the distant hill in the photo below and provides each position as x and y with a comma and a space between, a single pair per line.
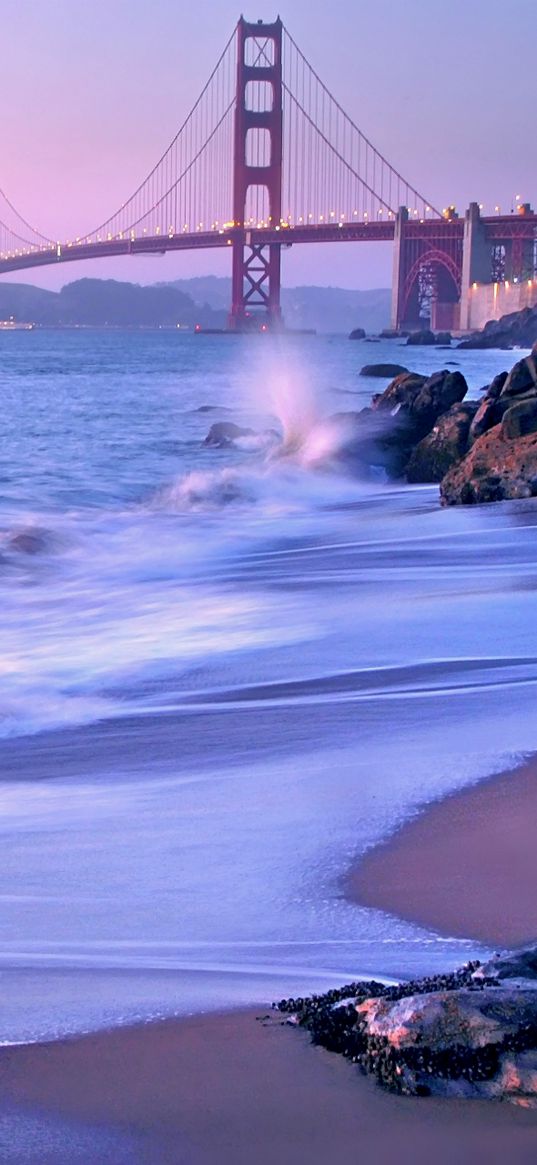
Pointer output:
204, 300
105, 302
327, 309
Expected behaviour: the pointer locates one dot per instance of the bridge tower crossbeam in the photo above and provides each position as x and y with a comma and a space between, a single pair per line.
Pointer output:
256, 278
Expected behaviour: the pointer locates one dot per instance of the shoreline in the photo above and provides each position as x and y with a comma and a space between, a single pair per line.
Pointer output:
465, 866
226, 1089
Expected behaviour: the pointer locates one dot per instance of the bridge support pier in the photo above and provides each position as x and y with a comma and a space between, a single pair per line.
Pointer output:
257, 164
398, 268
476, 260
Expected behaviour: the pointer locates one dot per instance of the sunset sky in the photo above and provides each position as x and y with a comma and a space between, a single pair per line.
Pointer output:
93, 92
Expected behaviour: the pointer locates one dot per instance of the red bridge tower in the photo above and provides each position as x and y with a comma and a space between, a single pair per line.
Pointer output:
257, 165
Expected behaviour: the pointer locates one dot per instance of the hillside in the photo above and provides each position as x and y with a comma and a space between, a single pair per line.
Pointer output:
105, 302
204, 300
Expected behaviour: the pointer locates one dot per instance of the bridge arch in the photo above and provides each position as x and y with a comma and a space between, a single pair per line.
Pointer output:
442, 264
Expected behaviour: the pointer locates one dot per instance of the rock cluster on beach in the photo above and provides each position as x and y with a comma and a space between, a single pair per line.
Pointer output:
478, 451
422, 429
518, 329
501, 461
472, 1033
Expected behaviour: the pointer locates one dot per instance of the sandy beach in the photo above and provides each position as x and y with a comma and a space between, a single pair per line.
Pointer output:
226, 1090
467, 866
230, 1089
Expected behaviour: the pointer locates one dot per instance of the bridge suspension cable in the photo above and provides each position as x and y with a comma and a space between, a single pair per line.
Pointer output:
331, 169
189, 188
17, 235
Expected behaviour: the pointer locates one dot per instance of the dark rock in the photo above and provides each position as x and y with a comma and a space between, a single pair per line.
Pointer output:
443, 447
487, 416
31, 541
496, 468
491, 409
364, 442
223, 433
520, 419
357, 334
414, 403
522, 378
496, 385
424, 337
383, 370
401, 392
518, 964
212, 409
422, 399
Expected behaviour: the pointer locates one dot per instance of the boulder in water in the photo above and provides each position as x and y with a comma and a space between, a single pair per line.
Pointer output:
223, 433
426, 337
357, 334
383, 370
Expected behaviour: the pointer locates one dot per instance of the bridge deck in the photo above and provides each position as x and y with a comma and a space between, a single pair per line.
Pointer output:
501, 228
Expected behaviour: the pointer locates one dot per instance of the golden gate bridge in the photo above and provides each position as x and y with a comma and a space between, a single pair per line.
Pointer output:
267, 158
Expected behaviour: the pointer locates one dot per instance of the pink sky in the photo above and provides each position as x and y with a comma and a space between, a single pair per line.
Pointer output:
92, 93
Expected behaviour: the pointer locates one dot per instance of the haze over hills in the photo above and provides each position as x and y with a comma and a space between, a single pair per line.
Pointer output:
203, 300
327, 309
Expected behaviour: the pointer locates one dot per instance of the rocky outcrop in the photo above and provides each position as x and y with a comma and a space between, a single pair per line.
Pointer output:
422, 399
472, 1033
357, 334
444, 446
383, 370
516, 329
502, 458
496, 468
518, 964
415, 403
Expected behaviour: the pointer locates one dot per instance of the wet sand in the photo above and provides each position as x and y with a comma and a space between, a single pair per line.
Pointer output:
466, 866
226, 1090
229, 1089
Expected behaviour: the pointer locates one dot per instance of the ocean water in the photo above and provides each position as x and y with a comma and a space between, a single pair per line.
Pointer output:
224, 674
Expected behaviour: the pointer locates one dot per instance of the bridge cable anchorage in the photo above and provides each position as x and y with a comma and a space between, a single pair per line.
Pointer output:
341, 133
